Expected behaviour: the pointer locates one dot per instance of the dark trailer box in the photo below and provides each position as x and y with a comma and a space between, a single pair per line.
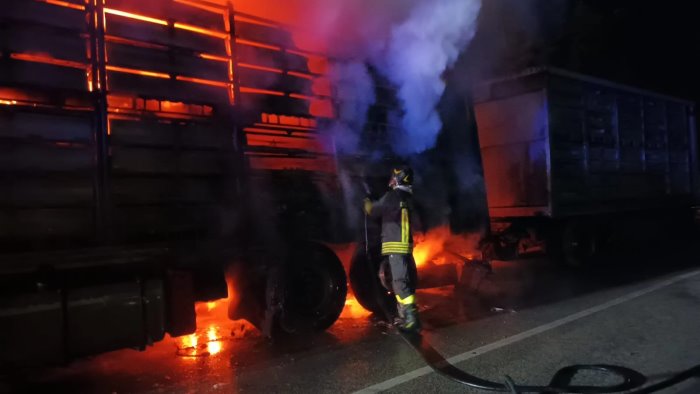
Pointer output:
559, 144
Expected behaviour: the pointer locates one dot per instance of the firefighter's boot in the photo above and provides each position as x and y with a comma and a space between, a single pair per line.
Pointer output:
408, 315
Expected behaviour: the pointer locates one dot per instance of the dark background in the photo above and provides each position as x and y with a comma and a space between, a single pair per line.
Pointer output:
645, 43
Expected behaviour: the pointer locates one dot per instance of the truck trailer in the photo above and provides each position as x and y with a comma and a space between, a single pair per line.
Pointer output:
151, 150
144, 147
570, 160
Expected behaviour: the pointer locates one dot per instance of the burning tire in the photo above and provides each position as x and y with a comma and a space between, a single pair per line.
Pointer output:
315, 288
365, 283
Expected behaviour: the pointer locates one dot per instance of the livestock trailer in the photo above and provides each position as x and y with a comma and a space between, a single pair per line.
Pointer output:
566, 157
145, 146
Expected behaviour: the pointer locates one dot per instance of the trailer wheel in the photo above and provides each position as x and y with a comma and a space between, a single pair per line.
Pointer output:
315, 290
578, 244
365, 283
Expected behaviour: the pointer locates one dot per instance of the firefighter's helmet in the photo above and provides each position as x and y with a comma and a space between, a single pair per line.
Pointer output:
401, 176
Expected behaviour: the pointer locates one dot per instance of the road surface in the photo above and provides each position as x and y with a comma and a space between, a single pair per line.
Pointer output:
641, 311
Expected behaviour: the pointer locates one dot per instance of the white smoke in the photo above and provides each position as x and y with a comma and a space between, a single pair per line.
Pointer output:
355, 90
418, 52
411, 43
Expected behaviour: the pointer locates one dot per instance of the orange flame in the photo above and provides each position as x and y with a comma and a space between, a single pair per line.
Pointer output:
214, 341
353, 309
431, 244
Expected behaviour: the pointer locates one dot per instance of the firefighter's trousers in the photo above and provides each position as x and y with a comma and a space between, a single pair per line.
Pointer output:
404, 275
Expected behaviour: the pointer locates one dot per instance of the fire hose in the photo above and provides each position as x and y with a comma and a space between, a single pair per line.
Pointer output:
560, 382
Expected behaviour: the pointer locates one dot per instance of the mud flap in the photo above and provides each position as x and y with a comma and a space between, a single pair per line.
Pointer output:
182, 319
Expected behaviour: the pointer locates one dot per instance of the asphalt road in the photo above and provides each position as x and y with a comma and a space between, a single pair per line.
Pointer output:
641, 312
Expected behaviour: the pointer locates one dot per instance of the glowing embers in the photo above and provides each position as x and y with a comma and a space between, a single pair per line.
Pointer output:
261, 91
209, 82
286, 120
47, 59
257, 44
155, 74
162, 22
301, 97
146, 73
201, 344
207, 340
65, 4
8, 102
214, 57
139, 17
273, 162
118, 103
287, 134
214, 330
261, 68
301, 75
201, 30
262, 138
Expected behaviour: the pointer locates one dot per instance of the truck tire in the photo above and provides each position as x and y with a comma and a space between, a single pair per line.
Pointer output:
366, 285
315, 287
577, 244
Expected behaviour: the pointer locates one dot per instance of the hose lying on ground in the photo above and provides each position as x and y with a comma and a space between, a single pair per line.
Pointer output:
560, 383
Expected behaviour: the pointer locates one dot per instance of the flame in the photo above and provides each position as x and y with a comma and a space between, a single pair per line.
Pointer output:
431, 247
207, 340
431, 244
214, 344
213, 328
353, 309
190, 341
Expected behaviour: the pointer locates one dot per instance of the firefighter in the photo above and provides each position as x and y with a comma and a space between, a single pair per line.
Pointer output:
395, 210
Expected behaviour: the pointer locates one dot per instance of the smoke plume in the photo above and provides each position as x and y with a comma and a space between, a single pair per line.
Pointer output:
355, 89
418, 52
410, 43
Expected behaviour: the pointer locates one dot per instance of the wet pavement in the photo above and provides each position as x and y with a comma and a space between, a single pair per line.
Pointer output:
531, 319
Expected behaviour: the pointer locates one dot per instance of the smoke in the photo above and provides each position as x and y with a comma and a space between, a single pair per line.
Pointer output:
355, 89
409, 43
517, 34
418, 52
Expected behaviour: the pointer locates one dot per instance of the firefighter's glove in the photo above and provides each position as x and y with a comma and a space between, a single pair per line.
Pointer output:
368, 206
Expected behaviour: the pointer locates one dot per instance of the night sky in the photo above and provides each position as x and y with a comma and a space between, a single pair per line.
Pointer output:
650, 44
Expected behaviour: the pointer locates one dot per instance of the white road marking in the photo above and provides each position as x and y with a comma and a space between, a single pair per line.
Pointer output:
417, 373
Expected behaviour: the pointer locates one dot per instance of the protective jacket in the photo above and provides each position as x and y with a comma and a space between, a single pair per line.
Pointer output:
396, 209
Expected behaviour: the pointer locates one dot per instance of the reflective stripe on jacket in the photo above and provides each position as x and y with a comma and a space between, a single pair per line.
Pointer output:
395, 209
